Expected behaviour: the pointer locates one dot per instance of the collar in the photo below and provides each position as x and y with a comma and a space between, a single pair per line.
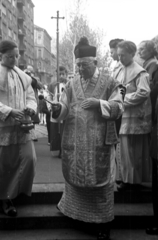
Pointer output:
132, 71
118, 65
149, 62
96, 73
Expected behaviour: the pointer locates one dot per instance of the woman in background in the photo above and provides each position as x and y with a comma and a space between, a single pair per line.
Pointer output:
147, 53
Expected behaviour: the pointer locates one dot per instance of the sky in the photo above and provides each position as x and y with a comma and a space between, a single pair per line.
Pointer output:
133, 20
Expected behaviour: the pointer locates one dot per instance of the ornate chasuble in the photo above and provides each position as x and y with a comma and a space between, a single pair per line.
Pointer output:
86, 157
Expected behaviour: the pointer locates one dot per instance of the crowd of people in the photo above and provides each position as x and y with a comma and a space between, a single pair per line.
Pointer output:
104, 126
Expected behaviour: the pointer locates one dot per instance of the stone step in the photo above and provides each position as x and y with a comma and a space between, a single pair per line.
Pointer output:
73, 234
51, 194
46, 216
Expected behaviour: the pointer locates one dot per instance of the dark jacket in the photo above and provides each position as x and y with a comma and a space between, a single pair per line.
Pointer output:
45, 110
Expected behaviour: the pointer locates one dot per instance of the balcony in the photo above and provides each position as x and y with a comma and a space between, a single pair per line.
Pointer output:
21, 16
21, 32
20, 2
22, 47
22, 61
4, 18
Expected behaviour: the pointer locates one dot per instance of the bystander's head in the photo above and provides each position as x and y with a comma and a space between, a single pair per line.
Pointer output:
147, 50
63, 74
126, 51
113, 48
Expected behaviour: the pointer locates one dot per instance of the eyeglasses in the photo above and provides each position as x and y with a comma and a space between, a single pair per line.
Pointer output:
85, 64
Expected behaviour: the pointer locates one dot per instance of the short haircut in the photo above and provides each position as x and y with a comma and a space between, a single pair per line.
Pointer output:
7, 45
150, 47
62, 68
114, 42
128, 46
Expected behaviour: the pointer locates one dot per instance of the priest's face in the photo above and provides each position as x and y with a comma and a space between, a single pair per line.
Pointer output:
86, 68
10, 58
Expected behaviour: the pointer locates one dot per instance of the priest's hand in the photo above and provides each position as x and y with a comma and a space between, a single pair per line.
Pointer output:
30, 112
90, 103
122, 90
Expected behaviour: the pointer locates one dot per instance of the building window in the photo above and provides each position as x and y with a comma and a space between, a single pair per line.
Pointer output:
4, 29
14, 3
14, 19
4, 10
31, 11
9, 32
10, 16
39, 65
14, 36
39, 53
39, 36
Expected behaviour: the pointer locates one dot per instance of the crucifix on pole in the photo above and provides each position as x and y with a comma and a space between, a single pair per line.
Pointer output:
57, 46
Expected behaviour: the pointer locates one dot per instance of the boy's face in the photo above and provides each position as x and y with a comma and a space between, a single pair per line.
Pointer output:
62, 76
10, 58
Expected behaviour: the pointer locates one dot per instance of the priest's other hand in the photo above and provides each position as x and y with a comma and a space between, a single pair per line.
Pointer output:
55, 106
90, 103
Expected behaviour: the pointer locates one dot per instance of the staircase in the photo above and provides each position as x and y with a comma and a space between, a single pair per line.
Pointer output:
133, 209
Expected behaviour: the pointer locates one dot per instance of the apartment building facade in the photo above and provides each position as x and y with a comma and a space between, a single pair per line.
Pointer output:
8, 20
17, 24
43, 56
25, 21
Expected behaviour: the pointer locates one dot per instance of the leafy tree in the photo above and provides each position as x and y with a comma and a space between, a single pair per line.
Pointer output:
78, 27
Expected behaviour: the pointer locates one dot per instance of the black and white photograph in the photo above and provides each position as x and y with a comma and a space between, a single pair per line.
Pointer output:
78, 120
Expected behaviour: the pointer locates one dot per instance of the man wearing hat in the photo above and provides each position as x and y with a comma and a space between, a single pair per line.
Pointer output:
89, 104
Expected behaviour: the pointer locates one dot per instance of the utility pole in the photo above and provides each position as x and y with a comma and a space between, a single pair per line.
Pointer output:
57, 47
